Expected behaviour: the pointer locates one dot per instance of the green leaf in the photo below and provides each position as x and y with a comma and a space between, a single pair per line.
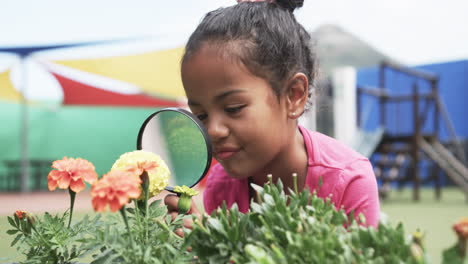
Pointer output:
105, 257
12, 231
451, 256
23, 225
147, 255
257, 188
258, 254
130, 210
168, 219
216, 224
16, 220
268, 199
17, 238
12, 222
155, 203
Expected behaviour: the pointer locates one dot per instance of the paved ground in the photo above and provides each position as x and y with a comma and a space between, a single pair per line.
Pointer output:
57, 201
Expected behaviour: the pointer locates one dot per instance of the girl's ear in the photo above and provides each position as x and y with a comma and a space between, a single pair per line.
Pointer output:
297, 95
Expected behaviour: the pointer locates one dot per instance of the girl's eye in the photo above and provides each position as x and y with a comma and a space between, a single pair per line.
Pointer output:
202, 117
234, 110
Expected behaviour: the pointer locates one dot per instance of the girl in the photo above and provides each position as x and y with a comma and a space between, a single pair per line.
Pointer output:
248, 71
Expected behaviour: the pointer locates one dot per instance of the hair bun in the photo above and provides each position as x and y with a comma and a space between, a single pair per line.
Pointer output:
290, 5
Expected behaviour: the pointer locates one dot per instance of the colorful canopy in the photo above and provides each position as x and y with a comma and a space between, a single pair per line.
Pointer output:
77, 93
7, 91
156, 72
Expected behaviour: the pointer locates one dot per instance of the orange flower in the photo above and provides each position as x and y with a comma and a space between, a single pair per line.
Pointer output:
461, 228
115, 189
70, 173
139, 167
20, 214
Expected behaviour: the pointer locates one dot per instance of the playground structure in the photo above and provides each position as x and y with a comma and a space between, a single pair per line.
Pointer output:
398, 155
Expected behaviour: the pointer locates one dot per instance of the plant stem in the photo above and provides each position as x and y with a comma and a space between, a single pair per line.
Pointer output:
137, 209
143, 204
124, 216
296, 188
72, 204
462, 246
164, 226
145, 186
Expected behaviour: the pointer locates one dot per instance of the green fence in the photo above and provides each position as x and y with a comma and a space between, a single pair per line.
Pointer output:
98, 134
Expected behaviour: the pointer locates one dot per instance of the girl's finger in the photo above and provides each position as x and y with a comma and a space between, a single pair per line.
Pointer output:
179, 232
171, 201
173, 214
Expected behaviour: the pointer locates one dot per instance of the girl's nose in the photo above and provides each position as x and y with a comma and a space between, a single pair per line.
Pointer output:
216, 129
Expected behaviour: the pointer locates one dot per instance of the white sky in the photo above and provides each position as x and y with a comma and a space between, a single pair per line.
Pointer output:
411, 31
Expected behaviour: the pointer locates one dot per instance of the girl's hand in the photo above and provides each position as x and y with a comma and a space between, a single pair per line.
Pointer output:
171, 201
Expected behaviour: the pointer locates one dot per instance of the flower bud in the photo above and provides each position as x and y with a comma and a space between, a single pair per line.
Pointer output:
185, 199
31, 219
184, 204
417, 252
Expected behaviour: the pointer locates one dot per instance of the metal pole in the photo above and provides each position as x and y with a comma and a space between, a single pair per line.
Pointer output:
417, 134
358, 106
435, 93
382, 100
24, 127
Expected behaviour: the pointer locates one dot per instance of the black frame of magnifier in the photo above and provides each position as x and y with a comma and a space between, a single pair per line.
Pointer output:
199, 125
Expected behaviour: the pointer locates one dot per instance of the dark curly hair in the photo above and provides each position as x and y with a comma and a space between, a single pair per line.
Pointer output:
263, 36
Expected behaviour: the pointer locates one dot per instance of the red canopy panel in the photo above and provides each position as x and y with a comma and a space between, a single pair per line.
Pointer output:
76, 93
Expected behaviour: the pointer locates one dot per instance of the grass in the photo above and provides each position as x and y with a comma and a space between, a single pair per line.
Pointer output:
434, 218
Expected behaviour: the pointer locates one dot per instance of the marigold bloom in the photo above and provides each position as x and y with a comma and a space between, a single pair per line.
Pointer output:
71, 173
21, 214
115, 189
139, 161
461, 228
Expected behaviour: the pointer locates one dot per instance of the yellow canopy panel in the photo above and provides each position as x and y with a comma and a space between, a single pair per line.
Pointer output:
155, 72
7, 91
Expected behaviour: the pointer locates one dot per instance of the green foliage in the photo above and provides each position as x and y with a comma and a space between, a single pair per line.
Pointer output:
454, 255
296, 228
152, 238
48, 240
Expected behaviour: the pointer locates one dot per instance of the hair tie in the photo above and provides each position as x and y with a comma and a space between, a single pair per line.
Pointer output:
268, 1
290, 5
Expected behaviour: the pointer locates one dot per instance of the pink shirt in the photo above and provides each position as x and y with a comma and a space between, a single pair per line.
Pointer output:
347, 177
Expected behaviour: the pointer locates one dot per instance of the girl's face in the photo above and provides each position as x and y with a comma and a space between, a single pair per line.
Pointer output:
246, 121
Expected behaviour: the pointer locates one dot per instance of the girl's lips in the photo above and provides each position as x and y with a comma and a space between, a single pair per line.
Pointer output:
225, 154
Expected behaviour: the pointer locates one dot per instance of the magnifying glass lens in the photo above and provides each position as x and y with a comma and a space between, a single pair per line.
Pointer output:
181, 141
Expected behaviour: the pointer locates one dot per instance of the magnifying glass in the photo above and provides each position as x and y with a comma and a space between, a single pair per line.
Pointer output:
181, 140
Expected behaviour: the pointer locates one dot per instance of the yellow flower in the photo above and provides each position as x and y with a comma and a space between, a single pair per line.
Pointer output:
185, 190
139, 161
